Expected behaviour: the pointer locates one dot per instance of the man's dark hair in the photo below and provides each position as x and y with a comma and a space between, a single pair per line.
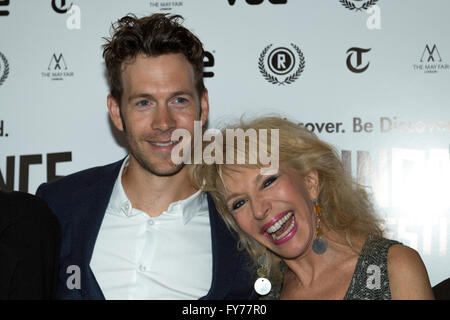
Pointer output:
152, 36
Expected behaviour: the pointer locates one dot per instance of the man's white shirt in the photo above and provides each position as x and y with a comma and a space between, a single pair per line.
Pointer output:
141, 257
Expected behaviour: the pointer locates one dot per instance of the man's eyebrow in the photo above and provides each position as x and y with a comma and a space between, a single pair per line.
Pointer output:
149, 96
182, 92
140, 95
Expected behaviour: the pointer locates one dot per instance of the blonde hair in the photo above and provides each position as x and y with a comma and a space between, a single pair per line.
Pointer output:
347, 208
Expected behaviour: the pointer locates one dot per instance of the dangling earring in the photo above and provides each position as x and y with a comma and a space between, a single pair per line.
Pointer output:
320, 244
262, 284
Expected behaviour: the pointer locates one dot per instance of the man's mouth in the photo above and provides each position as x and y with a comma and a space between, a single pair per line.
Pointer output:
165, 144
281, 228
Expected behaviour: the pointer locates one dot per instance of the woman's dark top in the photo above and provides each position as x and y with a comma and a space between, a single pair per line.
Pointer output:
370, 280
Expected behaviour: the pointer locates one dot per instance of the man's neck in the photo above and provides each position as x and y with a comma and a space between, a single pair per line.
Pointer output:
151, 193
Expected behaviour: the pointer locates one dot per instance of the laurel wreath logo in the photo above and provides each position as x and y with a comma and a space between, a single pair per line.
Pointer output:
6, 71
351, 5
287, 80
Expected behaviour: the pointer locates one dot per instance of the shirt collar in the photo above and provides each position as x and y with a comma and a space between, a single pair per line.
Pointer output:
188, 208
119, 204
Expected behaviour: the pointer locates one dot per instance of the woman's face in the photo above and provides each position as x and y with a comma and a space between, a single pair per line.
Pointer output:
276, 210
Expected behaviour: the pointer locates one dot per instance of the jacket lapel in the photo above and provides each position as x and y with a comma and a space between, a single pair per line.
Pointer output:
89, 206
225, 256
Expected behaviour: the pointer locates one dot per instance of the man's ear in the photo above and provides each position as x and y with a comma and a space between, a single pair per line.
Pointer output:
312, 184
204, 105
114, 112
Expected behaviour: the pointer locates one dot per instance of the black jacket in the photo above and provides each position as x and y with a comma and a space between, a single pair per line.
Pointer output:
30, 238
80, 200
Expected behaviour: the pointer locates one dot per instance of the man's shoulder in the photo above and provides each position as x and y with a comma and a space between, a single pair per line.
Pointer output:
30, 213
22, 206
76, 181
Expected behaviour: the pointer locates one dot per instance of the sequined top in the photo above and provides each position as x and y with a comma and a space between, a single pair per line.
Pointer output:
370, 280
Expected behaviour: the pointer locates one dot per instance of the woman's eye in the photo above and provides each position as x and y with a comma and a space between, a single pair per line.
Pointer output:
236, 205
269, 181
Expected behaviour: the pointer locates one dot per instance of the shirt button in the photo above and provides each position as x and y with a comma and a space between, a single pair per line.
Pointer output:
142, 268
151, 222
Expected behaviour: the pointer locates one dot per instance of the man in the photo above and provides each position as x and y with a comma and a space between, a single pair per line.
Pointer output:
30, 237
137, 228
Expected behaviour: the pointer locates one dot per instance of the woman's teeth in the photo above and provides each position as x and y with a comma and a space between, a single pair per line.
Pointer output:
280, 223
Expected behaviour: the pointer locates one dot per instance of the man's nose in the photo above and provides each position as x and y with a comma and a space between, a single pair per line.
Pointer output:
163, 119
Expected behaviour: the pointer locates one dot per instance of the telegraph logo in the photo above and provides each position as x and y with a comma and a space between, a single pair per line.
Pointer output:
60, 6
431, 60
281, 65
4, 3
356, 54
4, 68
73, 11
57, 68
358, 5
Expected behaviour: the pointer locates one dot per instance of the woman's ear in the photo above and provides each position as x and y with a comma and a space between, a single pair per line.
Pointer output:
312, 183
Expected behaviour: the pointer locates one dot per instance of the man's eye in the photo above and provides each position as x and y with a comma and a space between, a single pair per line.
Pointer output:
143, 103
180, 100
236, 205
269, 181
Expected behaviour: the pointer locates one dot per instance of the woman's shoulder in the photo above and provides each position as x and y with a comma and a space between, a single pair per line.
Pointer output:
400, 254
375, 248
408, 276
403, 259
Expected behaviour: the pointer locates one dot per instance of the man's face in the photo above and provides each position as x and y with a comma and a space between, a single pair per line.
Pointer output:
158, 97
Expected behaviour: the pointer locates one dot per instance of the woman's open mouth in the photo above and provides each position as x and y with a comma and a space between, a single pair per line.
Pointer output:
281, 228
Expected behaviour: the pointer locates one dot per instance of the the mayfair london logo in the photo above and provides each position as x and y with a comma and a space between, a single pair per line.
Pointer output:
166, 5
57, 68
431, 60
4, 68
355, 60
358, 5
281, 65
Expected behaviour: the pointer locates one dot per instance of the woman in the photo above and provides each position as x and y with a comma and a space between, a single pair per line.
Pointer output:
310, 229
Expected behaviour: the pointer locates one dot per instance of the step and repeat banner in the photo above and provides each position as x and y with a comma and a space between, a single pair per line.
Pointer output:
372, 77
